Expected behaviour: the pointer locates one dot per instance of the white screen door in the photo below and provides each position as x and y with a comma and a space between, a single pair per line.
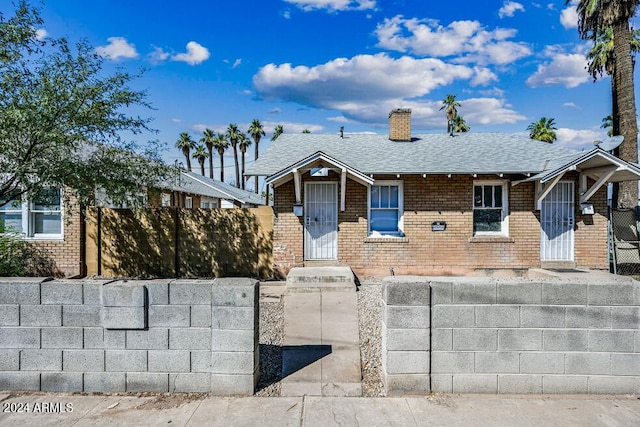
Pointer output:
557, 218
321, 221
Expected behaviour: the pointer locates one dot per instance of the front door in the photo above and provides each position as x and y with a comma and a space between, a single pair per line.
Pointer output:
557, 218
321, 221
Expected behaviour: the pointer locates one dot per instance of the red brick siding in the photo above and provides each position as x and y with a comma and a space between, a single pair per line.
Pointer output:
454, 251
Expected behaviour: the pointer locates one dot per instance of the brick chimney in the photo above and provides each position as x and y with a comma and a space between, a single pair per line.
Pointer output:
400, 124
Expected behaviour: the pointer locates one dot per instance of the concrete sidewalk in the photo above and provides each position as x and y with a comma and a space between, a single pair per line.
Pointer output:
321, 355
435, 410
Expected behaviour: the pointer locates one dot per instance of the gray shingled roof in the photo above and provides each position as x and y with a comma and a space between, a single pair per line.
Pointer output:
427, 153
190, 182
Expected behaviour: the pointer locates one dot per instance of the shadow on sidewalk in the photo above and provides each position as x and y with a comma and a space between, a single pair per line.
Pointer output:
296, 357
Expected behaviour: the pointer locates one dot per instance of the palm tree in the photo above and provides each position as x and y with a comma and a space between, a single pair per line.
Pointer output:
277, 132
607, 123
594, 16
200, 153
450, 104
460, 125
243, 142
543, 130
185, 143
256, 131
600, 61
232, 134
207, 139
221, 144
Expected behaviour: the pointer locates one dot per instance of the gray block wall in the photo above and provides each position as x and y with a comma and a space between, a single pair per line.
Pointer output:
117, 336
524, 335
406, 346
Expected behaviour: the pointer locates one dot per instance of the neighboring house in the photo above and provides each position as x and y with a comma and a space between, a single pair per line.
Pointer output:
192, 190
437, 204
60, 232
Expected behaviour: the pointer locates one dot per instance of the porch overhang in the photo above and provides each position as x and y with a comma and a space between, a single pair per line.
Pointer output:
597, 164
318, 160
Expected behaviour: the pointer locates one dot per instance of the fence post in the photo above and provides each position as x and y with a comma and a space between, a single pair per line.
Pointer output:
176, 219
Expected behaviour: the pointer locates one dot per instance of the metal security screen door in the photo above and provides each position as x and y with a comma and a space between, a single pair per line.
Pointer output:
321, 221
557, 218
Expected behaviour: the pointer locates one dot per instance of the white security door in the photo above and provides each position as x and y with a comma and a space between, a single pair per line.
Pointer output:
321, 221
557, 218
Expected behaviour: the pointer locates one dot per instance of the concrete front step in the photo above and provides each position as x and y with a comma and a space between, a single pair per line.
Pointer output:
320, 275
320, 287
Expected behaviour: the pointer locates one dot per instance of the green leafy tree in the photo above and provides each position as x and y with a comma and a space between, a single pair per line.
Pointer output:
221, 144
256, 130
594, 17
200, 153
306, 131
543, 130
460, 125
277, 132
208, 140
233, 133
186, 144
62, 119
449, 105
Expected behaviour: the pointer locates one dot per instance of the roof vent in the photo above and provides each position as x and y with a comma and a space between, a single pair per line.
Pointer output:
400, 124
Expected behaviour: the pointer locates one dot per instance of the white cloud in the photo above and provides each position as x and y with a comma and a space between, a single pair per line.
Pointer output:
489, 111
566, 69
236, 63
570, 105
509, 8
176, 120
158, 55
195, 54
363, 78
117, 48
334, 5
468, 41
579, 138
41, 34
569, 16
483, 76
366, 87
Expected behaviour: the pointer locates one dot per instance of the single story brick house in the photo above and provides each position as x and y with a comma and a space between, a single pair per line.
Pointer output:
437, 204
60, 232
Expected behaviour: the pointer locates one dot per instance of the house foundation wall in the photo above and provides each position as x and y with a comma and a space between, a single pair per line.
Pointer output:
454, 251
129, 336
481, 335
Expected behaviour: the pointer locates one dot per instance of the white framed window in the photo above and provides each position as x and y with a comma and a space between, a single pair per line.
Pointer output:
490, 208
165, 200
188, 202
41, 218
386, 209
208, 203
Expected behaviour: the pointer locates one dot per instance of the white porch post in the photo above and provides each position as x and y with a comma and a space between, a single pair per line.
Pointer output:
343, 189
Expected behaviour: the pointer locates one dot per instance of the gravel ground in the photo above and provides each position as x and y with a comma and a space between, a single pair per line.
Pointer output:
271, 342
272, 334
369, 315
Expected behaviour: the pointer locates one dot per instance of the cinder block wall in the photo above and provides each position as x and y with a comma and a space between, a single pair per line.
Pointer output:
117, 336
525, 336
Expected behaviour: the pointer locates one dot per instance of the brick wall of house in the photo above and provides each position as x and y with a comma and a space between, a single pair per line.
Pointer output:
422, 251
68, 253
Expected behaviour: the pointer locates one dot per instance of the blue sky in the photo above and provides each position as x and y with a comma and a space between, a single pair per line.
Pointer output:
322, 64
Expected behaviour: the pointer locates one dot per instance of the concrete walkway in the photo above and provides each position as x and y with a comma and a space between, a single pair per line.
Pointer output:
321, 354
439, 410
